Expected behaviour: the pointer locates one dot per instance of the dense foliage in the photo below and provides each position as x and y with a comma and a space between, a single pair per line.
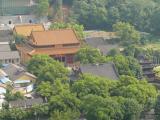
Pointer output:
96, 14
46, 68
128, 66
76, 27
90, 55
127, 33
42, 8
93, 97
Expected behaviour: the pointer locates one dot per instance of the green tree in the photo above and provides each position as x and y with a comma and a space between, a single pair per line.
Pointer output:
130, 87
13, 114
37, 62
53, 71
130, 107
63, 99
128, 66
10, 96
127, 33
39, 111
57, 6
99, 108
45, 89
157, 109
90, 55
91, 13
154, 22
42, 8
79, 29
65, 115
89, 84
113, 52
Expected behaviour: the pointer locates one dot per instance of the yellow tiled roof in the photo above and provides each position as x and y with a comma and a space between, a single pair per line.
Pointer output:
55, 51
26, 29
54, 37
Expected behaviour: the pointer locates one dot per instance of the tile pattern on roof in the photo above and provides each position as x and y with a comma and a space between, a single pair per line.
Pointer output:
54, 37
25, 30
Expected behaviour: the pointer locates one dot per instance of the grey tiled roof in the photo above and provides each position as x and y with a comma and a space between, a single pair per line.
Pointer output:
5, 36
9, 55
14, 72
4, 47
104, 70
26, 103
101, 44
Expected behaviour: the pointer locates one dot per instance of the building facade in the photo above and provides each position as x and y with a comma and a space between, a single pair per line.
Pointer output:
61, 45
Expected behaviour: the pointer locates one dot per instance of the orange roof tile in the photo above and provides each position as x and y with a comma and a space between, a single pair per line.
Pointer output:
26, 29
54, 51
54, 37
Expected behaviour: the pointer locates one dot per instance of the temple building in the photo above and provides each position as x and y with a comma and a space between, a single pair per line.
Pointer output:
25, 30
16, 7
61, 45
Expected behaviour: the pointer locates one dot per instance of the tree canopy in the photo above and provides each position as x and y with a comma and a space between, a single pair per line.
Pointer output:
90, 55
46, 68
127, 66
127, 33
79, 29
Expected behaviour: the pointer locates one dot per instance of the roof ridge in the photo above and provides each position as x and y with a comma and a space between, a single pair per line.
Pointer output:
54, 30
22, 25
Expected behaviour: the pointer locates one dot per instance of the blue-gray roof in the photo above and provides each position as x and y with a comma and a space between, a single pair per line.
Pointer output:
107, 70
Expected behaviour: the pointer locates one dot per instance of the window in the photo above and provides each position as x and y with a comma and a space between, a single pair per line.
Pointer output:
10, 60
6, 61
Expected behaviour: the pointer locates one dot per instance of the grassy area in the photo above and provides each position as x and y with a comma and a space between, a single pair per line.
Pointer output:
154, 46
151, 42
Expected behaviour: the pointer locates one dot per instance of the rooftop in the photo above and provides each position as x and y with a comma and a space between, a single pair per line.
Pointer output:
55, 51
26, 103
4, 48
25, 30
9, 55
14, 72
104, 70
100, 43
54, 37
5, 36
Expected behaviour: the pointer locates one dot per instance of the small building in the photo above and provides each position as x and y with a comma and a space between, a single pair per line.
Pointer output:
9, 57
26, 103
25, 30
16, 72
61, 45
5, 36
6, 54
106, 70
4, 47
22, 81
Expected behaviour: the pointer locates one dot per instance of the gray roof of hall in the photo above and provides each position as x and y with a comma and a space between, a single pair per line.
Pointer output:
4, 47
6, 36
107, 70
9, 55
26, 102
14, 72
101, 44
